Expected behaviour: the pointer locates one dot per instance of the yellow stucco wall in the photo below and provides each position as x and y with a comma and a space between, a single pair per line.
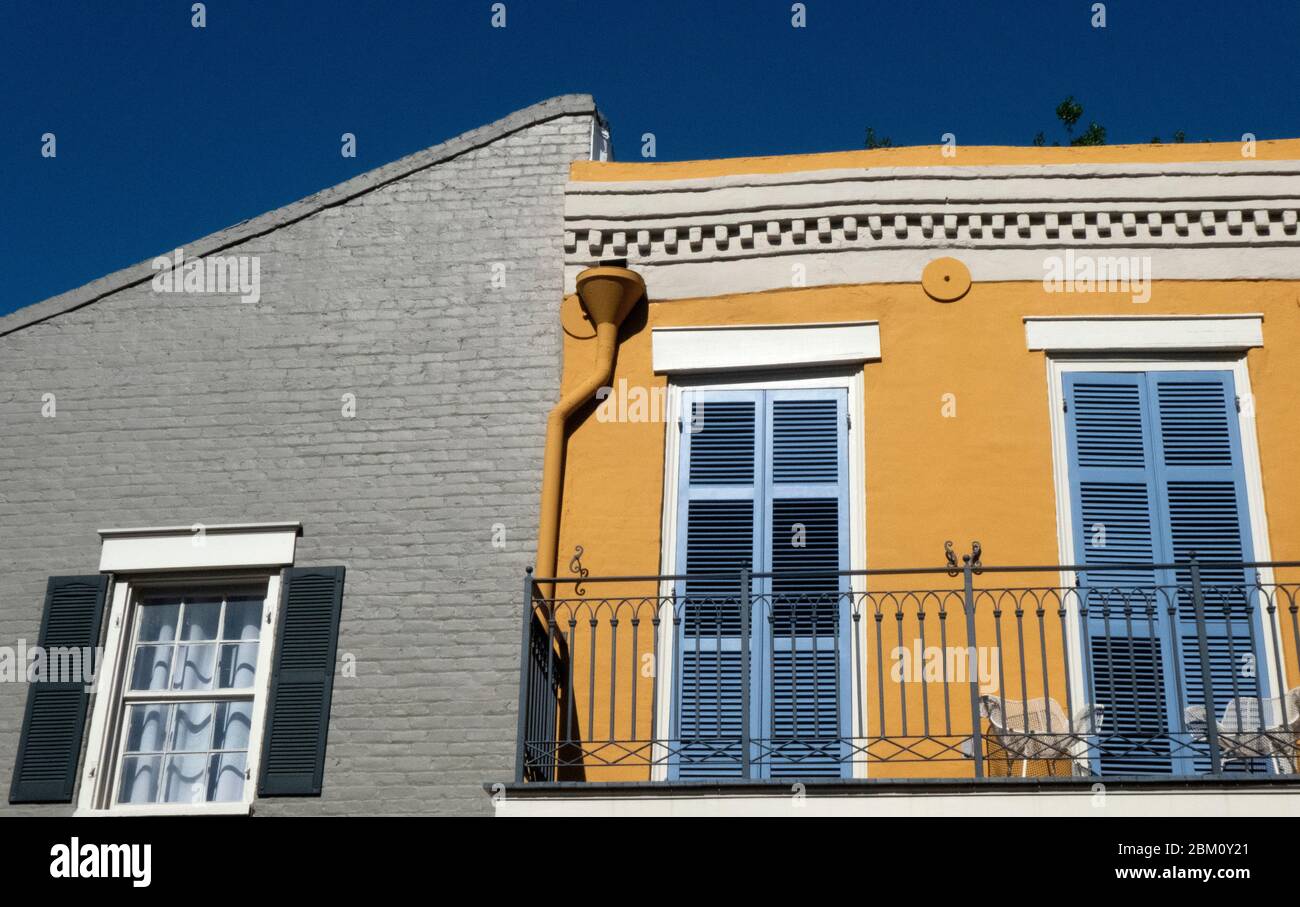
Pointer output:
985, 474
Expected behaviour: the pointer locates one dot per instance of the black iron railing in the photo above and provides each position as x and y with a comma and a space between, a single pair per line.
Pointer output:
1153, 670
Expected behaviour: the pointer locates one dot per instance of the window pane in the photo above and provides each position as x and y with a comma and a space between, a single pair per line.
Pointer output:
238, 665
195, 667
202, 614
193, 727
152, 667
147, 727
243, 617
226, 777
158, 620
184, 779
234, 721
191, 752
139, 779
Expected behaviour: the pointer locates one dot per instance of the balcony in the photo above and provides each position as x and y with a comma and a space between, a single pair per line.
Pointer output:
956, 674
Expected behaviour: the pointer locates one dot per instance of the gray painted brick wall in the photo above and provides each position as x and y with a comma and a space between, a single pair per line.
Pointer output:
176, 409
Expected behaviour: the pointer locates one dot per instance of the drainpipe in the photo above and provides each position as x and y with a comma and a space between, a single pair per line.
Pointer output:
607, 295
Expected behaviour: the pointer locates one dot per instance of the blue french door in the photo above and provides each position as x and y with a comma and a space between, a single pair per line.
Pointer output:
1156, 475
763, 484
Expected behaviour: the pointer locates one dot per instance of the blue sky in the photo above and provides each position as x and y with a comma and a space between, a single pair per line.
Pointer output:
166, 133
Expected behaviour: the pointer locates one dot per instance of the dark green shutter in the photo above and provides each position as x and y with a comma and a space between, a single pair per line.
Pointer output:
50, 745
302, 681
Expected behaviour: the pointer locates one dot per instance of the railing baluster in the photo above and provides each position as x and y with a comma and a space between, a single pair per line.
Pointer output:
1262, 716
525, 674
1002, 668
880, 668
1279, 661
571, 700
613, 668
1067, 681
977, 736
591, 672
940, 606
1207, 681
1020, 647
859, 688
634, 662
1042, 653
744, 603
656, 624
925, 684
902, 687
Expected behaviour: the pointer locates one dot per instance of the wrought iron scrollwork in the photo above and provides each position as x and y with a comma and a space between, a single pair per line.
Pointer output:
575, 567
973, 558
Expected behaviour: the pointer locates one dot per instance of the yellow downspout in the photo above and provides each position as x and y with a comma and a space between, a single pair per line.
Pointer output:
607, 295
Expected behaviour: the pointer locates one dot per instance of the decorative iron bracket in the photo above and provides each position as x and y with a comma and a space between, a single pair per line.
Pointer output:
575, 567
973, 558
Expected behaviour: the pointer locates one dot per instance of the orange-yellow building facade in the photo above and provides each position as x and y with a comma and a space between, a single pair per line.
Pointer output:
948, 292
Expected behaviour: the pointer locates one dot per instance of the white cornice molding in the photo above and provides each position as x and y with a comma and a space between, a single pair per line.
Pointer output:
1116, 333
705, 237
681, 350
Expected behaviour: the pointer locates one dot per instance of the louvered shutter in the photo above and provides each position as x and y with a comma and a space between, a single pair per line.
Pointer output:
302, 682
718, 524
1203, 486
1156, 475
54, 721
1116, 522
801, 607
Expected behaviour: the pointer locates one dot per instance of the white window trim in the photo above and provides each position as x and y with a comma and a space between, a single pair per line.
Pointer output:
850, 379
198, 547
96, 795
1112, 333
682, 350
1207, 361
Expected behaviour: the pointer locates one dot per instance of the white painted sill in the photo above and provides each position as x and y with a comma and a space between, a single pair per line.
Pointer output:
171, 809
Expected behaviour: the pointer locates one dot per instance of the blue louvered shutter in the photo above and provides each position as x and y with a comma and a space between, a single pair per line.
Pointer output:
1202, 483
802, 606
718, 527
1115, 506
1155, 461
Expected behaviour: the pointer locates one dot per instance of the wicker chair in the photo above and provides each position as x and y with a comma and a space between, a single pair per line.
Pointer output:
1253, 728
1038, 730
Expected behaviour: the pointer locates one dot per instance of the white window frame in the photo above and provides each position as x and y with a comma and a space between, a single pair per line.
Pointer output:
245, 555
749, 347
1057, 367
853, 380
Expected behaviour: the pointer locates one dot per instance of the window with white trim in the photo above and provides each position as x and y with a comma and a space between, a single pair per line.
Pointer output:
215, 682
186, 705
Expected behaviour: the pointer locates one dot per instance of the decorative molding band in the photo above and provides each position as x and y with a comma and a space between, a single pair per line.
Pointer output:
680, 350
1107, 333
198, 547
880, 223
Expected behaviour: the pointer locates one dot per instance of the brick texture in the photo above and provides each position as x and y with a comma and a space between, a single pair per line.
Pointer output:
176, 409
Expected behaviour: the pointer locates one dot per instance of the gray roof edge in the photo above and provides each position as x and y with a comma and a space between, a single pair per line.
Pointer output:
559, 106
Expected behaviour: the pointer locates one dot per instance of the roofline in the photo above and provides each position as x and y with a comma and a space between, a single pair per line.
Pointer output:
541, 112
922, 157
